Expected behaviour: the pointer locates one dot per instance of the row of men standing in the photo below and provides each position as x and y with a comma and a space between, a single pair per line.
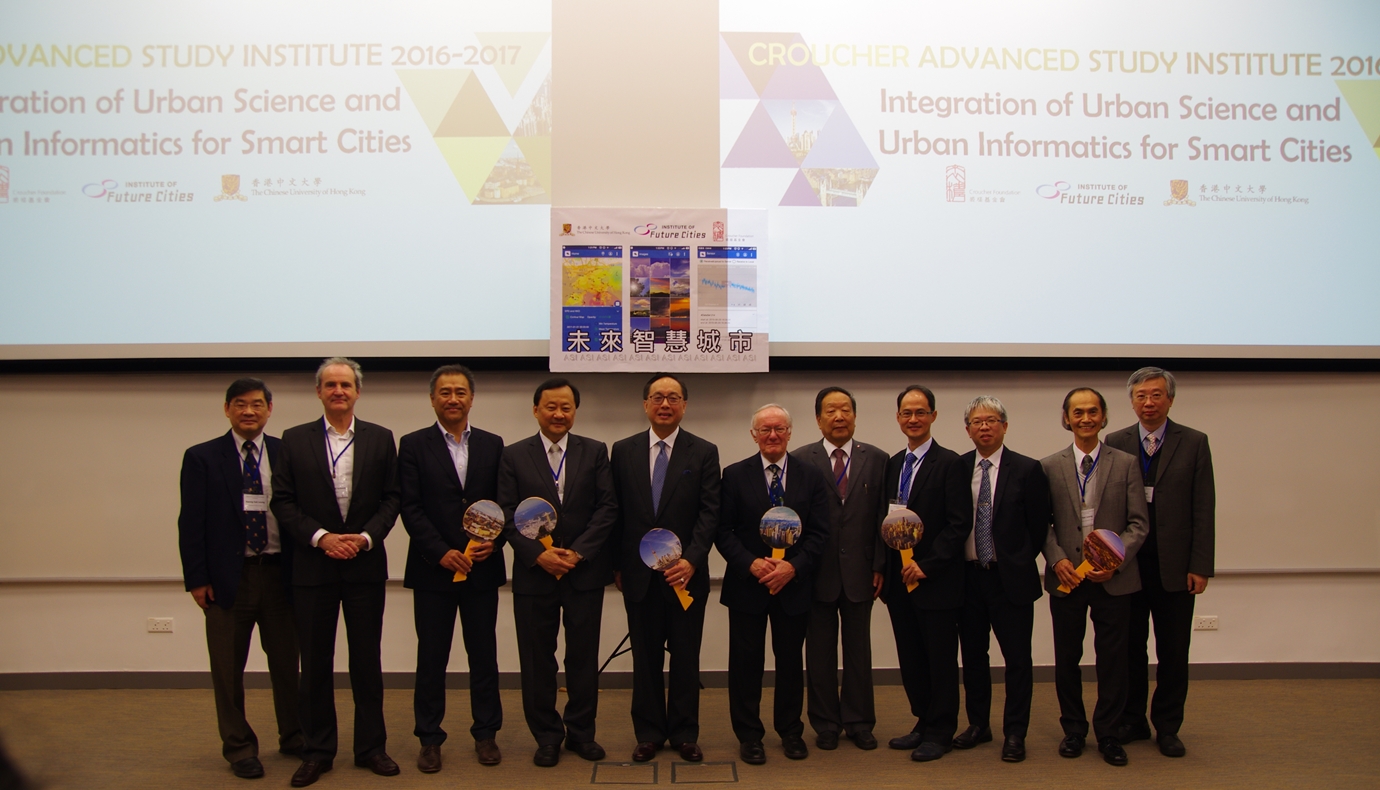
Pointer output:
336, 488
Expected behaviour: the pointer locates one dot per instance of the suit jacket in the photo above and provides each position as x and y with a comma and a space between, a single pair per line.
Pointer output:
942, 496
584, 521
854, 549
434, 504
304, 501
1119, 501
745, 500
210, 525
1185, 501
689, 506
1020, 521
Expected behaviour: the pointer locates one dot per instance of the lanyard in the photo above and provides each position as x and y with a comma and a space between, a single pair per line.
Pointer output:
556, 474
1083, 480
838, 481
335, 457
1145, 460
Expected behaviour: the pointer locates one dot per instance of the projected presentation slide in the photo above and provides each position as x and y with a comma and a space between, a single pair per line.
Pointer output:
1074, 174
273, 172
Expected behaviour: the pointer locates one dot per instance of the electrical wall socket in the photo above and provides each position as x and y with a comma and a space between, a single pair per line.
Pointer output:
1202, 622
160, 625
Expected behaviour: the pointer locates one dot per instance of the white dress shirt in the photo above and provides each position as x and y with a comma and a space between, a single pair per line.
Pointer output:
766, 474
547, 444
970, 546
459, 450
653, 452
340, 461
1159, 435
919, 453
275, 543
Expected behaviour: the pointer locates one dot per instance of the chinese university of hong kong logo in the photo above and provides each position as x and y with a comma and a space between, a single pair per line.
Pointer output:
1178, 194
229, 189
565, 229
955, 184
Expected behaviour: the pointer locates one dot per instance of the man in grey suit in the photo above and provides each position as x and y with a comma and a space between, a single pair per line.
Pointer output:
848, 577
1176, 560
1092, 486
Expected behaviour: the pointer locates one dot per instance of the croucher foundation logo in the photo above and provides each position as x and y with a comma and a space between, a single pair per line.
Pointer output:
955, 184
1178, 194
229, 189
4, 184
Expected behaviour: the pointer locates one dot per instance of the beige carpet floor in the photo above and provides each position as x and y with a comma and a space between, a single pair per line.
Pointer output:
1239, 734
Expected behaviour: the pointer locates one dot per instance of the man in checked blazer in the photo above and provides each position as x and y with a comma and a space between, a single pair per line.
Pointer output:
1177, 559
1091, 486
666, 478
848, 576
563, 584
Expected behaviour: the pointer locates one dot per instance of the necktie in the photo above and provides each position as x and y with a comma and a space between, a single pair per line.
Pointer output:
1151, 444
777, 493
840, 472
554, 456
1084, 470
659, 475
982, 529
906, 472
255, 521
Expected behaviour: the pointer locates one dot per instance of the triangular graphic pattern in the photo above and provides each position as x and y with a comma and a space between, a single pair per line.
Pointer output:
733, 83
1363, 97
471, 159
744, 49
512, 179
471, 115
433, 91
839, 145
513, 54
760, 145
800, 193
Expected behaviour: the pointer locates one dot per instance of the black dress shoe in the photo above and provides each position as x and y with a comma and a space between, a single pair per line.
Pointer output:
1112, 751
863, 739
488, 752
251, 768
309, 771
690, 752
380, 764
1013, 750
972, 737
1170, 745
1126, 733
429, 760
908, 741
1071, 746
547, 755
588, 750
645, 751
929, 750
752, 752
795, 747
827, 740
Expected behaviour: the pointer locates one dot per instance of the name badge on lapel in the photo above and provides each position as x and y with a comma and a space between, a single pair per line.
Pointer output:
1149, 494
256, 503
1089, 515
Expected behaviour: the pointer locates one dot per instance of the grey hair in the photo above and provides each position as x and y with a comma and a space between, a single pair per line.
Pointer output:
347, 362
1146, 374
988, 402
778, 407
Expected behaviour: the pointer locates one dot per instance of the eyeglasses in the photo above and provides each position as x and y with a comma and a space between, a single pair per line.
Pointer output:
783, 430
1153, 397
672, 400
983, 422
921, 413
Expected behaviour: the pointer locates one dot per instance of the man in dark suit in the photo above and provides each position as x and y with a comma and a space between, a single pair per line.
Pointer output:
565, 583
335, 493
1091, 486
930, 481
758, 588
1001, 582
1177, 558
442, 470
848, 576
666, 478
233, 563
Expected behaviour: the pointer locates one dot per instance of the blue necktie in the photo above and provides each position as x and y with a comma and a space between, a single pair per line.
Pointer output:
906, 472
982, 530
255, 521
777, 493
659, 475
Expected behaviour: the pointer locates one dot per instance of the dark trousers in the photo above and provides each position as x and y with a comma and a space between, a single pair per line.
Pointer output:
927, 649
987, 610
747, 660
318, 611
262, 600
539, 619
1173, 613
1111, 617
434, 616
658, 624
853, 709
